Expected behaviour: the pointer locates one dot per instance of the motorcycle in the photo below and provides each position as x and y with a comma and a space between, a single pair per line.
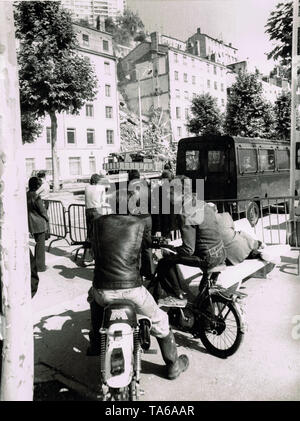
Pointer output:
123, 335
215, 315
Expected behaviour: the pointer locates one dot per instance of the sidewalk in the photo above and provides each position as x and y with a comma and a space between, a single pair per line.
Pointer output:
266, 367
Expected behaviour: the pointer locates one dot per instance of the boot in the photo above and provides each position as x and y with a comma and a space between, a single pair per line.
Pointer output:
96, 320
175, 364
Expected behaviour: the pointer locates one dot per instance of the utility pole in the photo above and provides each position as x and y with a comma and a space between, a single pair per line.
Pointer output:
294, 105
16, 333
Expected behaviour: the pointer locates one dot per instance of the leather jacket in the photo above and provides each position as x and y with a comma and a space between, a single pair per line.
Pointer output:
119, 242
202, 240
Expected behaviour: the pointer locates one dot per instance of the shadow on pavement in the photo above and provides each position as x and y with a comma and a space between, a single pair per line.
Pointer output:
191, 343
71, 273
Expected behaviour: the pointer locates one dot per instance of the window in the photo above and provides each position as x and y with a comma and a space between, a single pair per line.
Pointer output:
222, 101
266, 159
107, 90
193, 62
208, 68
177, 112
92, 164
75, 166
30, 166
177, 91
49, 165
186, 95
85, 39
107, 68
222, 87
216, 160
184, 59
186, 111
247, 160
109, 137
48, 134
105, 45
176, 75
192, 160
185, 77
215, 70
283, 159
89, 110
215, 85
176, 57
71, 136
179, 131
108, 112
90, 136
208, 83
193, 80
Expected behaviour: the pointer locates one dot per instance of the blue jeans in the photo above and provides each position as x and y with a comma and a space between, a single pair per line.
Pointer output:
144, 304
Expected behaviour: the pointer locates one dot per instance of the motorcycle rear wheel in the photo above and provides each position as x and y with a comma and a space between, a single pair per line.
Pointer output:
220, 326
119, 394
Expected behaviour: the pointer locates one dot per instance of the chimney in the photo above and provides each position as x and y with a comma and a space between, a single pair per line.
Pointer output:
154, 41
198, 30
230, 44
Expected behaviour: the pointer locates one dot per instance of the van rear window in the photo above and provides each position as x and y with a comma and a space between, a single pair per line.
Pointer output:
283, 159
247, 160
216, 161
192, 160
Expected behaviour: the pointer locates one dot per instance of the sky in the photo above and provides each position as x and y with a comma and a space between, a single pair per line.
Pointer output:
241, 22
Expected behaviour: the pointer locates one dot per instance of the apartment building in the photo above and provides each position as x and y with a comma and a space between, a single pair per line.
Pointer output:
89, 10
205, 46
169, 78
84, 140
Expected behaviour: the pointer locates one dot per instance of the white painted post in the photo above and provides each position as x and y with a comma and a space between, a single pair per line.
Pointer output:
16, 317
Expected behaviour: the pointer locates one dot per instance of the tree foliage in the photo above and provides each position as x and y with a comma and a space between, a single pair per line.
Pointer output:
248, 113
31, 127
279, 28
53, 76
126, 28
282, 110
206, 116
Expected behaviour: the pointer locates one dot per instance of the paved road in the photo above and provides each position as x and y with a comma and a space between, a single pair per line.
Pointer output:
266, 367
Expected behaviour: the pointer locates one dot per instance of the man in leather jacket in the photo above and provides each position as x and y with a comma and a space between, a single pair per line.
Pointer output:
119, 241
202, 246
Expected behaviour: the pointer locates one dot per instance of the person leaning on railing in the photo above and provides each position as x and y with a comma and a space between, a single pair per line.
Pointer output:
95, 201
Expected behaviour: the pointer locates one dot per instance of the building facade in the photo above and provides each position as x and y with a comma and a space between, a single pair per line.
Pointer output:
169, 78
89, 10
84, 140
204, 46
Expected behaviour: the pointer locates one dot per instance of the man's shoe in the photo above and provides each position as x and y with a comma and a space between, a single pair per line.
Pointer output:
172, 302
181, 365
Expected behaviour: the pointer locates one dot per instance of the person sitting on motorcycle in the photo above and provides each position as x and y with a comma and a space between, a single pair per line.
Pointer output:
119, 241
202, 245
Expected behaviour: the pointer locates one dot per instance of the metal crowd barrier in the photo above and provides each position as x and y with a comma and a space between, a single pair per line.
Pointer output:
57, 220
273, 223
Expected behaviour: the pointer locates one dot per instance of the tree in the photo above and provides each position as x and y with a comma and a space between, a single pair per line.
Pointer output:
31, 127
53, 76
16, 344
248, 113
126, 28
282, 110
279, 28
206, 116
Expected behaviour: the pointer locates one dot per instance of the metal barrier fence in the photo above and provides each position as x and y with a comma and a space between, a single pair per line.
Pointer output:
57, 220
273, 225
